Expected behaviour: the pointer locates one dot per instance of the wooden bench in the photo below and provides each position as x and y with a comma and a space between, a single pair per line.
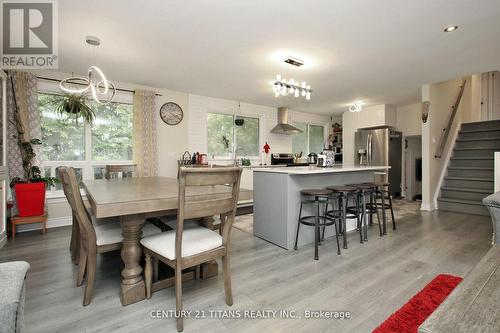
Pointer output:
474, 305
15, 220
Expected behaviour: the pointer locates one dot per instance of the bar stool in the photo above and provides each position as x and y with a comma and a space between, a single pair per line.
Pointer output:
321, 197
382, 192
365, 191
342, 194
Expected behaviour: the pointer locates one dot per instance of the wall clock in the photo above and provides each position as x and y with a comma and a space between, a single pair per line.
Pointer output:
171, 113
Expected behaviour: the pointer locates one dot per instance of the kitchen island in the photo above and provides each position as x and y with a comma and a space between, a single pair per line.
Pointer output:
277, 198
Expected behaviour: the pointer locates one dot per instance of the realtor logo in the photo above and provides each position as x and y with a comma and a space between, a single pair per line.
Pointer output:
29, 34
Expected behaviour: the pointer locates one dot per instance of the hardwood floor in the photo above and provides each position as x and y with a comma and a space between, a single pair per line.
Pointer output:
370, 280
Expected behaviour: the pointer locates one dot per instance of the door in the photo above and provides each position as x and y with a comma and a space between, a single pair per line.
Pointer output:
378, 147
361, 144
395, 161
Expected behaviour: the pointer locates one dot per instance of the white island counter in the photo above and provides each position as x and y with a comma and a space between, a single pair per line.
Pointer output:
277, 198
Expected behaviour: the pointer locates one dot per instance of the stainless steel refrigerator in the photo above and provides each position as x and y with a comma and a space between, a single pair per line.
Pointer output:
381, 146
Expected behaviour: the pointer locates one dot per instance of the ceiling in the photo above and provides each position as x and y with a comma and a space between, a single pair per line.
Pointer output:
376, 51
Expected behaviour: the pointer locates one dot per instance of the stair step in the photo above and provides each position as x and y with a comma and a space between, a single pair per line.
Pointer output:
462, 206
478, 143
482, 125
474, 152
469, 182
479, 134
462, 193
471, 162
480, 172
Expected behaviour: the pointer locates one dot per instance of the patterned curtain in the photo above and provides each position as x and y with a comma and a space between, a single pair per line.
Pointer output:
144, 136
22, 98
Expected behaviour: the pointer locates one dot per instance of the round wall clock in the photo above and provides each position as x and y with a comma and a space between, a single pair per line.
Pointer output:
171, 113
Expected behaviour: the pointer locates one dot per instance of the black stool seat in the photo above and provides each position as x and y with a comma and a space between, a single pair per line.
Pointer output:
337, 189
316, 192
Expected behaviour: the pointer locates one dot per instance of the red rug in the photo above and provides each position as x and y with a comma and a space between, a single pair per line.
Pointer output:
411, 315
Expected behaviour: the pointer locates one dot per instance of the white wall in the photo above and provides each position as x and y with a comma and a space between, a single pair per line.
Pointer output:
408, 119
199, 106
441, 96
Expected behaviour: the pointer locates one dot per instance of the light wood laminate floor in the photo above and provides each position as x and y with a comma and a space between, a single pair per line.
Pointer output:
370, 280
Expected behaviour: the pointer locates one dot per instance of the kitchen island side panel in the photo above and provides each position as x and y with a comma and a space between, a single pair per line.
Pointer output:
270, 207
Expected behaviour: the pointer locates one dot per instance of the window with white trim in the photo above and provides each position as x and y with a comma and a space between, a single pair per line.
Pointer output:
86, 148
225, 132
310, 140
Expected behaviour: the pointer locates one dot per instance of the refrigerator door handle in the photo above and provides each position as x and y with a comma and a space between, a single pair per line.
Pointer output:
369, 157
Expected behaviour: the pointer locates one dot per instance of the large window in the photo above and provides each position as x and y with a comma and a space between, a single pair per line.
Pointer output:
86, 148
309, 141
224, 135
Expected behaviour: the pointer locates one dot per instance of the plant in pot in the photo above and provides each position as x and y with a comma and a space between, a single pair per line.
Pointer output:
74, 106
30, 191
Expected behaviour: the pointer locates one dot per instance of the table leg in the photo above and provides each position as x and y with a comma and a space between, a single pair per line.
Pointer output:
133, 288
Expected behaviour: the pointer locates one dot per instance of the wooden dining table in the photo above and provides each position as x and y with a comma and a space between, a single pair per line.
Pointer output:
133, 200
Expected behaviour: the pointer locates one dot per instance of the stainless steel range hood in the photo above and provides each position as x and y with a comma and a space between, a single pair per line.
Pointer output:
283, 126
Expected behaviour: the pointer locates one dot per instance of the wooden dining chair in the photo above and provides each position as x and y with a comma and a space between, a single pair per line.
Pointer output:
120, 171
187, 247
93, 238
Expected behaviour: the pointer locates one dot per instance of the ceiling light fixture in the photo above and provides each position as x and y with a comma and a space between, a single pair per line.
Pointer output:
451, 28
294, 61
357, 106
283, 88
95, 81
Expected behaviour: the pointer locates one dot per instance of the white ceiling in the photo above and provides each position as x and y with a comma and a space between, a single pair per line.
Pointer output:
377, 51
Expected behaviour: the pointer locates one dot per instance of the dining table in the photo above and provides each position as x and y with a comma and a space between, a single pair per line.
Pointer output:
133, 200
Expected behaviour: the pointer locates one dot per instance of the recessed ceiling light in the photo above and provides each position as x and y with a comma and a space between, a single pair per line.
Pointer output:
451, 28
294, 61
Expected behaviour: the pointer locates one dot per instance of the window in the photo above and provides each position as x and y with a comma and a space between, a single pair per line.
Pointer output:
222, 132
86, 148
310, 140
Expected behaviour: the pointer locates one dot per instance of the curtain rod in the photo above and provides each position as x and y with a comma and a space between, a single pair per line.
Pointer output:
56, 80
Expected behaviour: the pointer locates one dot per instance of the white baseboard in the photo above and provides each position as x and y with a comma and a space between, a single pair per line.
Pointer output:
428, 206
51, 223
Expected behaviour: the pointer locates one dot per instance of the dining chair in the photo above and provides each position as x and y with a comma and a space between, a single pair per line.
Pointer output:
93, 238
187, 247
120, 171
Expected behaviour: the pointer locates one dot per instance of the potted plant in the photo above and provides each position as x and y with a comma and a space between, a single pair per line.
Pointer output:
75, 106
30, 191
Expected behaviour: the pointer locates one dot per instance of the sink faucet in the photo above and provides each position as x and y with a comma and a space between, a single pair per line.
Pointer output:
235, 150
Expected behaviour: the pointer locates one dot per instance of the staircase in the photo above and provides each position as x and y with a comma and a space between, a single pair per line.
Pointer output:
469, 177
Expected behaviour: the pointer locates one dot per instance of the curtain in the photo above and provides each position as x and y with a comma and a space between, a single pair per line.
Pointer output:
144, 133
22, 98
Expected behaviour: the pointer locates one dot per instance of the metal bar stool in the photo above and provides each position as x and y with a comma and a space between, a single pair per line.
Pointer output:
341, 195
382, 193
321, 196
365, 191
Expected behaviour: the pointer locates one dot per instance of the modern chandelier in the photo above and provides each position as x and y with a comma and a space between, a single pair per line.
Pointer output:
95, 82
357, 106
282, 87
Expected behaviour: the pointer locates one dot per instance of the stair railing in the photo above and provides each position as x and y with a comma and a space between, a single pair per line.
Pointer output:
447, 129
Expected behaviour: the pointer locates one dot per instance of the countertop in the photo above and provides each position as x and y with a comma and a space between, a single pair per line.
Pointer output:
310, 170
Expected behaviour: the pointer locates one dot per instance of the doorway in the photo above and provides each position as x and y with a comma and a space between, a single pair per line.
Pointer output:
413, 167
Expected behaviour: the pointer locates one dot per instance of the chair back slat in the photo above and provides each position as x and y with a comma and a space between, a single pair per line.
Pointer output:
224, 203
120, 171
199, 209
211, 176
71, 189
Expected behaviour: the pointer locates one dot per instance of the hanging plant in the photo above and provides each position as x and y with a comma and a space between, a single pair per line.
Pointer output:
74, 106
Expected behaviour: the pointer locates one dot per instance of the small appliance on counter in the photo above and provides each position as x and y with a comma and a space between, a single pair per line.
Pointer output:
281, 159
322, 160
312, 158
